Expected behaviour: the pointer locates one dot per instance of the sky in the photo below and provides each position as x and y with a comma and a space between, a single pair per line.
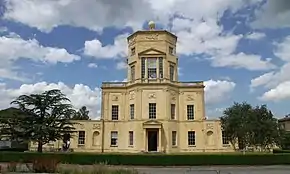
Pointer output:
239, 48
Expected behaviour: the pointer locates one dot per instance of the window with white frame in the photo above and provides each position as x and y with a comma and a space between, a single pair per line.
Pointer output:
81, 137
115, 112
132, 109
114, 138
131, 138
191, 138
152, 110
173, 111
190, 112
174, 138
152, 68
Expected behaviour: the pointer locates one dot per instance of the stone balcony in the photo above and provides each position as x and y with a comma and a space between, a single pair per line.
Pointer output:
152, 81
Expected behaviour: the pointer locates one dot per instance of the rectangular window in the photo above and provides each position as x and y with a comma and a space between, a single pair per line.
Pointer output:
115, 112
225, 138
151, 68
131, 138
114, 138
132, 108
160, 67
133, 51
174, 138
171, 72
191, 138
143, 67
190, 112
152, 110
81, 138
133, 72
173, 111
171, 51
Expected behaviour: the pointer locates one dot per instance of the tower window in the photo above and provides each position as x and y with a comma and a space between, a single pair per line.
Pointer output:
173, 111
115, 112
133, 72
152, 110
171, 72
142, 67
133, 51
132, 108
152, 69
190, 112
171, 51
160, 61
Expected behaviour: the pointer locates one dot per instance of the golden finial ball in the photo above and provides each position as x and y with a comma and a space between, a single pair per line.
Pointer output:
151, 25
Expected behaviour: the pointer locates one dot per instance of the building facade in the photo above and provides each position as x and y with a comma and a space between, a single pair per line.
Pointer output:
153, 111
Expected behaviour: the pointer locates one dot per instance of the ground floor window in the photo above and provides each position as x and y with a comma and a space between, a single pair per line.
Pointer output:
114, 138
191, 138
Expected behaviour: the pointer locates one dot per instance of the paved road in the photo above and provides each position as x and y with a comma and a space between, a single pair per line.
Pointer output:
217, 170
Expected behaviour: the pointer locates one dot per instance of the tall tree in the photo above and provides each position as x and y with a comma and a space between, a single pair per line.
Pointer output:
250, 126
48, 116
82, 114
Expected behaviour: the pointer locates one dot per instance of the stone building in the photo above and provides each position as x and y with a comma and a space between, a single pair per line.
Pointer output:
153, 111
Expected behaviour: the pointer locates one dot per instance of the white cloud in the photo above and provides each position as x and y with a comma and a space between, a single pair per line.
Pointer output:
276, 81
92, 65
256, 36
218, 91
273, 14
47, 14
207, 38
95, 48
121, 65
281, 92
80, 95
14, 48
242, 60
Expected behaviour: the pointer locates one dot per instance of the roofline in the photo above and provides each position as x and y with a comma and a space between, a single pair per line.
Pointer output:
150, 31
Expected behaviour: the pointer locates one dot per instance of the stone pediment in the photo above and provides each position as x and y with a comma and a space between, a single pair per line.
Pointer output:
152, 51
152, 124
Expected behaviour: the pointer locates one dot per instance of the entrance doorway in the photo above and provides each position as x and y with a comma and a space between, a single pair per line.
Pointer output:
152, 140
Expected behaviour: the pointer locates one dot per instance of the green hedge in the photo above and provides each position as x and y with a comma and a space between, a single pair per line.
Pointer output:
152, 160
280, 151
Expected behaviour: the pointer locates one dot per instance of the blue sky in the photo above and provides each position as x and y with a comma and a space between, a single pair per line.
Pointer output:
240, 48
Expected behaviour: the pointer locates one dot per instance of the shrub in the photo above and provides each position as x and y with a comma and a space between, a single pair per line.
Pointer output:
45, 165
12, 167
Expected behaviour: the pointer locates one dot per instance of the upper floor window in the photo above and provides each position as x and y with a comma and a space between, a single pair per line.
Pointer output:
133, 51
133, 72
171, 50
160, 61
114, 138
171, 72
172, 111
152, 110
132, 108
190, 112
81, 137
191, 138
225, 138
151, 68
143, 67
115, 112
